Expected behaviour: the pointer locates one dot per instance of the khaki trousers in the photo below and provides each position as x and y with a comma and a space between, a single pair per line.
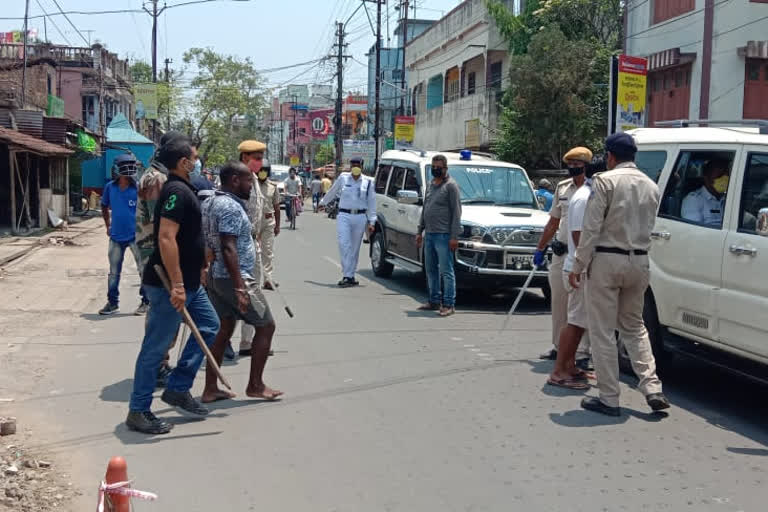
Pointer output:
268, 248
615, 291
248, 331
560, 307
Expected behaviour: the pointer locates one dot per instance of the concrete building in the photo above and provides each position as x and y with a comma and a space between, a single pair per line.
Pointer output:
707, 59
457, 70
392, 85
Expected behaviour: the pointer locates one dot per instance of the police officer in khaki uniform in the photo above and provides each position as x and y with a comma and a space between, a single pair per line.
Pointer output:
576, 160
613, 251
271, 226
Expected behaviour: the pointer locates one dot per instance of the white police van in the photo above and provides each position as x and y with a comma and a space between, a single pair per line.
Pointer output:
501, 219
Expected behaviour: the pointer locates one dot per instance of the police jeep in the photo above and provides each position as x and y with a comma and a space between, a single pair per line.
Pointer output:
501, 219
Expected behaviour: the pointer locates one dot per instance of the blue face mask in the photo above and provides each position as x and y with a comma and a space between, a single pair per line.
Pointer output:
197, 171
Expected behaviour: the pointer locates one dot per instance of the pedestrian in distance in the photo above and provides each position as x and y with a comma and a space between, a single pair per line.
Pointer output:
565, 373
316, 188
181, 253
556, 232
613, 251
441, 223
327, 183
118, 208
544, 194
234, 291
357, 213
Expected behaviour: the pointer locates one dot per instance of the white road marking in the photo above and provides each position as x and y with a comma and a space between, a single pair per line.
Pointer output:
483, 354
468, 346
474, 350
332, 261
457, 339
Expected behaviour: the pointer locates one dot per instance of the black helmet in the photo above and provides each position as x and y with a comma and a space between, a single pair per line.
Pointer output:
125, 164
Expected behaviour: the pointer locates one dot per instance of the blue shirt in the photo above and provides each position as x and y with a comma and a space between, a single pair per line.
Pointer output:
123, 206
547, 195
223, 214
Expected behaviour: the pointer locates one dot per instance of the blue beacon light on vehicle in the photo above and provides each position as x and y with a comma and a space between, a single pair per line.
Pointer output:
465, 154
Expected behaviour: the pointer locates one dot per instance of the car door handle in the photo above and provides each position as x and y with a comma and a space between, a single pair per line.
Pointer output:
737, 249
661, 235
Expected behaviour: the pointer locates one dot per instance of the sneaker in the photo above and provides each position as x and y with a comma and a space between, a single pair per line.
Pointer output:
354, 282
147, 423
162, 376
549, 356
229, 352
345, 283
142, 309
109, 309
594, 404
184, 401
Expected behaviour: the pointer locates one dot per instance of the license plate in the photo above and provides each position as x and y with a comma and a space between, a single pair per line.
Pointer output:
519, 262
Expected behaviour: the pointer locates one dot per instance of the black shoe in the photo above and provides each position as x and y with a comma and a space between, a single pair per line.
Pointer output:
594, 404
244, 352
354, 282
184, 401
346, 283
550, 356
657, 401
147, 423
162, 376
229, 353
585, 364
109, 309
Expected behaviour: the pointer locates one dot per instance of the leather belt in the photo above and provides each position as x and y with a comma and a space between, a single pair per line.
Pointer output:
616, 250
353, 212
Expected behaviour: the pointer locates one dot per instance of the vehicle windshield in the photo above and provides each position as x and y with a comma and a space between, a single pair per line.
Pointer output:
501, 186
278, 175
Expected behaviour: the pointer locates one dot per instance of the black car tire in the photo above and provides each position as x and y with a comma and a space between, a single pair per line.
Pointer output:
381, 267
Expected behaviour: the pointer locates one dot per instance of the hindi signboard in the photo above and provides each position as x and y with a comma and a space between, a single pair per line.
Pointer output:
631, 92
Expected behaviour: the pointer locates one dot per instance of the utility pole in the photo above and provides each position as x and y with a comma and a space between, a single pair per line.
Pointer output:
168, 83
282, 132
404, 9
376, 127
339, 92
294, 103
89, 36
155, 13
24, 69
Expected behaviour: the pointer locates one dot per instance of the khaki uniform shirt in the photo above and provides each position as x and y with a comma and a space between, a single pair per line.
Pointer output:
255, 210
620, 214
563, 193
271, 197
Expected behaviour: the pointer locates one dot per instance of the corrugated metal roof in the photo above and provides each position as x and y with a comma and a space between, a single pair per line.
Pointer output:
120, 130
55, 129
29, 122
24, 142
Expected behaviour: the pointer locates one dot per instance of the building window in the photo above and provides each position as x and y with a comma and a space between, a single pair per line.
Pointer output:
667, 9
670, 94
471, 83
756, 89
451, 85
495, 82
435, 92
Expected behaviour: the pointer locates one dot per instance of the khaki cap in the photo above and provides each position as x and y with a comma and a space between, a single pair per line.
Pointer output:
579, 153
251, 146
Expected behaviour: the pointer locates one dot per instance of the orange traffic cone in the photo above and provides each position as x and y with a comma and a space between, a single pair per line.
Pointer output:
117, 471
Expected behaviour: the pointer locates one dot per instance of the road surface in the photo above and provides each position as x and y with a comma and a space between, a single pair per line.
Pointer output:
386, 408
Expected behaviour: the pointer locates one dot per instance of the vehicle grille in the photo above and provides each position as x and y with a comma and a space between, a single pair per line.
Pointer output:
525, 236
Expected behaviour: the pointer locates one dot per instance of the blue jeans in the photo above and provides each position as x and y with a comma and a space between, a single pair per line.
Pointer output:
116, 255
438, 264
161, 325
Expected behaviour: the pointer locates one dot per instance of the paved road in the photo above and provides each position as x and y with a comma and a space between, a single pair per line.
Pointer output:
387, 408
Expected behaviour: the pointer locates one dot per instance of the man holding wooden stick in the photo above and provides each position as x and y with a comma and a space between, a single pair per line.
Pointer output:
180, 252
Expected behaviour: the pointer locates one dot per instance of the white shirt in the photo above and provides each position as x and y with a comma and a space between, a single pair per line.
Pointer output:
292, 185
576, 208
353, 194
702, 207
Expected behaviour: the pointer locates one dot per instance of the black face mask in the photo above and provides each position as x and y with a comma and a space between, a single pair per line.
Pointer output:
437, 172
575, 171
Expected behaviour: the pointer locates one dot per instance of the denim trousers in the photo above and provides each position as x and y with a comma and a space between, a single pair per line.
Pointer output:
116, 255
161, 326
438, 265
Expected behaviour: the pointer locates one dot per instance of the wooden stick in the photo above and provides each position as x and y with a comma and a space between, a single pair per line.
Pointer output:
198, 337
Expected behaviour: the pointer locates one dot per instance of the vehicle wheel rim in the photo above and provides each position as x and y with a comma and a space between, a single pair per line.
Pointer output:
376, 250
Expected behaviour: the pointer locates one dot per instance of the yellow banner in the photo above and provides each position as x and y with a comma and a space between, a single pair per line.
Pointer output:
405, 128
631, 92
145, 96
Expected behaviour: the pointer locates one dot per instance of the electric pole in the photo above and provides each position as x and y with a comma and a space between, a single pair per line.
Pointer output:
155, 13
168, 83
339, 92
376, 127
404, 9
24, 69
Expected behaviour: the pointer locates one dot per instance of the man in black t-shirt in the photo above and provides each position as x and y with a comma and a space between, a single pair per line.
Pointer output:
180, 251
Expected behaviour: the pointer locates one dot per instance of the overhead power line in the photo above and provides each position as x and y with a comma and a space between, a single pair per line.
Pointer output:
54, 23
115, 11
70, 22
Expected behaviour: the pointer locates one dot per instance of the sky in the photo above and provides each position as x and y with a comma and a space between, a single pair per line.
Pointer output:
273, 33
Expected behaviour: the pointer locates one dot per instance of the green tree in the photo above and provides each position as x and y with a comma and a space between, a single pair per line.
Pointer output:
550, 104
517, 30
228, 105
325, 155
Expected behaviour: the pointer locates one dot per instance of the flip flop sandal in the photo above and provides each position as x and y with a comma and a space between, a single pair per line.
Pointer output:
568, 384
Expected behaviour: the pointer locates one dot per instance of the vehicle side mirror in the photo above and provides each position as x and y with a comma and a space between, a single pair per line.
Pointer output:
408, 197
761, 226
